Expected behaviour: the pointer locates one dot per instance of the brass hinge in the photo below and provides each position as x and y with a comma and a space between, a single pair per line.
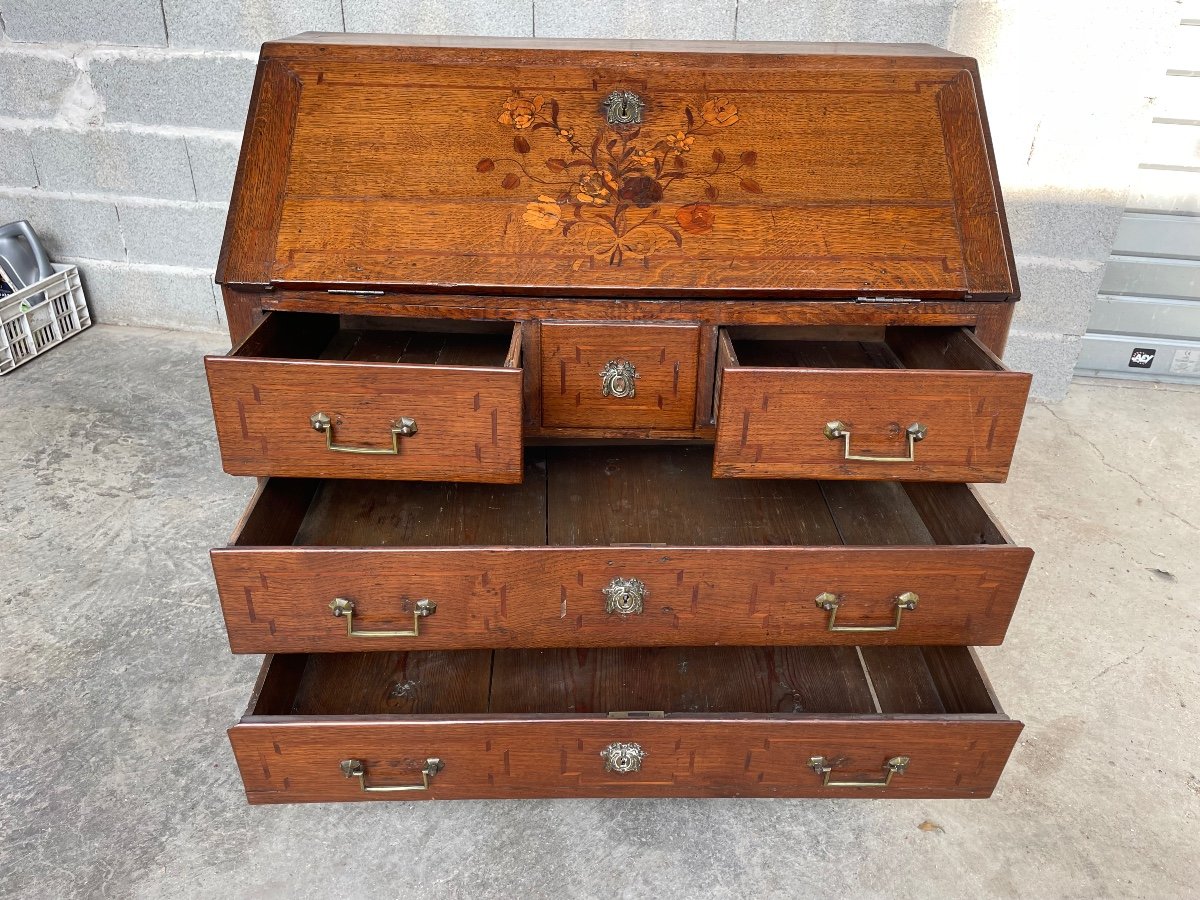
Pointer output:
638, 714
887, 299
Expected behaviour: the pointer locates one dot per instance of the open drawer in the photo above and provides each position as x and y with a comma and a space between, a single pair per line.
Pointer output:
621, 546
907, 403
667, 722
319, 395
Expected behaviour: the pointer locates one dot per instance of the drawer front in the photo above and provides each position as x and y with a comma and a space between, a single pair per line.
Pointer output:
619, 376
301, 761
775, 423
467, 420
279, 600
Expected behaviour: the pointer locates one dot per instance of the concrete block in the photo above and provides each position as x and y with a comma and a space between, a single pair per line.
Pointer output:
69, 227
32, 84
200, 92
667, 20
214, 163
486, 17
113, 162
165, 296
1049, 357
1057, 295
1077, 224
903, 21
173, 234
245, 24
133, 22
16, 160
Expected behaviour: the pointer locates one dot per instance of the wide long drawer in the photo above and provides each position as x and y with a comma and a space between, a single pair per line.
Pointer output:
907, 403
669, 722
628, 546
316, 395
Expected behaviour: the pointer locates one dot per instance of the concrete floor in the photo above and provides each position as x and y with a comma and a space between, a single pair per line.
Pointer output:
116, 686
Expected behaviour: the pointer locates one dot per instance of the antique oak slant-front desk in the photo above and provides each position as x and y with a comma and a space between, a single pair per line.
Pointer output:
615, 407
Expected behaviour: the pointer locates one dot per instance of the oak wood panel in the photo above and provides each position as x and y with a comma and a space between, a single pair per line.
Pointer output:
386, 203
665, 358
771, 420
469, 417
285, 761
260, 185
986, 249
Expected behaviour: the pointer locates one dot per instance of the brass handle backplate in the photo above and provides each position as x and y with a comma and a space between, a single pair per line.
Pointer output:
617, 379
344, 609
402, 427
625, 597
354, 768
894, 766
622, 758
830, 603
838, 430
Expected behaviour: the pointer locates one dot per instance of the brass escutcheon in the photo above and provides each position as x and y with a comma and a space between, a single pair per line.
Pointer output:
623, 108
626, 597
622, 758
617, 379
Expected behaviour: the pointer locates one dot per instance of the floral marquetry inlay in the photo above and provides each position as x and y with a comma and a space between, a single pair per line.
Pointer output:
628, 191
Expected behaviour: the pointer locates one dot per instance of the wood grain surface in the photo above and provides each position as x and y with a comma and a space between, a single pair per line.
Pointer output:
778, 395
726, 562
468, 415
780, 178
738, 722
664, 357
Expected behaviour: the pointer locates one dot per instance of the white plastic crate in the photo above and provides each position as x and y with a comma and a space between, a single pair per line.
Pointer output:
29, 330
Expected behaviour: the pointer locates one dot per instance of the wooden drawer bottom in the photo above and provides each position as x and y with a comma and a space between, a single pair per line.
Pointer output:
667, 722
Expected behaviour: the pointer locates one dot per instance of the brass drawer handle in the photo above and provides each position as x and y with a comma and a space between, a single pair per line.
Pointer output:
915, 432
625, 597
354, 768
344, 609
402, 427
617, 379
894, 766
622, 758
830, 603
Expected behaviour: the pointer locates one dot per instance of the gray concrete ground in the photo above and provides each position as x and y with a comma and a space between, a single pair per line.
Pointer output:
117, 685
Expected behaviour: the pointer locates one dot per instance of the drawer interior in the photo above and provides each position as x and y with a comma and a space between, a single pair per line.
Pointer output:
613, 496
378, 339
892, 347
789, 681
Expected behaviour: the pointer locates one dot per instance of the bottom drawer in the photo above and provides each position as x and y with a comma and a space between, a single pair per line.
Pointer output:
666, 722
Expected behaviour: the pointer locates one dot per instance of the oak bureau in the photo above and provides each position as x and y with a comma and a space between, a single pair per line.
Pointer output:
614, 408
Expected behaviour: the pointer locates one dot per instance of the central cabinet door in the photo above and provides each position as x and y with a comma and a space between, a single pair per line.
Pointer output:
614, 376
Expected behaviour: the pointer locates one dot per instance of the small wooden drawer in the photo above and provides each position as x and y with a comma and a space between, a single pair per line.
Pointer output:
343, 397
883, 722
628, 546
913, 404
619, 376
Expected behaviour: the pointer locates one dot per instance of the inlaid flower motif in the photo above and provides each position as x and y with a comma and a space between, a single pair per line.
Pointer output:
719, 113
680, 142
641, 190
696, 218
642, 157
596, 187
621, 192
519, 112
544, 213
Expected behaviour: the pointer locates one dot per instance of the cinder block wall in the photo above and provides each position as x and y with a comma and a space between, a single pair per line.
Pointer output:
120, 122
